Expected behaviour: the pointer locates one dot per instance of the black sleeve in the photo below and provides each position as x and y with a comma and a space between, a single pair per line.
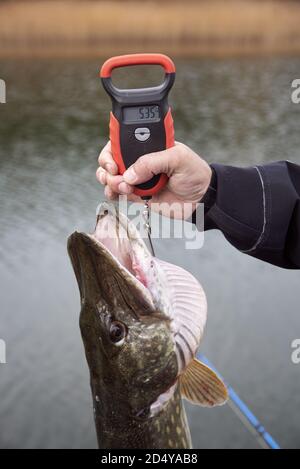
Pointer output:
258, 211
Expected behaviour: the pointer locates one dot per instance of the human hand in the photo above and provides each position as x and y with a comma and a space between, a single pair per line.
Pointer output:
189, 178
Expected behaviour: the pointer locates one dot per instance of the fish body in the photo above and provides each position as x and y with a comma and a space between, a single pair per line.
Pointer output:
141, 322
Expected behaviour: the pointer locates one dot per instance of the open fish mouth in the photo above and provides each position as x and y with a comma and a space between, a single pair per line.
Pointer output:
116, 254
118, 236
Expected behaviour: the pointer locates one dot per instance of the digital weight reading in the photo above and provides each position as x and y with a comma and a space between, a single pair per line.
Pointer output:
141, 113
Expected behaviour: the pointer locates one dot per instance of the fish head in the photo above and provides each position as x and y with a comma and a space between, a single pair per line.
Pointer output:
124, 321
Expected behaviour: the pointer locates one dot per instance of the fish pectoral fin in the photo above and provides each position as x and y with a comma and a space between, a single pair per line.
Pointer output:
200, 385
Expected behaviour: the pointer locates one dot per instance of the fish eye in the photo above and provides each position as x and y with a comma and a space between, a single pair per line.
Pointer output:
117, 332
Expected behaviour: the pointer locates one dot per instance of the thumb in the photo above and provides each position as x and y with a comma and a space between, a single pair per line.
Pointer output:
149, 165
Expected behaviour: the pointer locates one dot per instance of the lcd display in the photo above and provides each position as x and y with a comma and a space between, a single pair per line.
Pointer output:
141, 113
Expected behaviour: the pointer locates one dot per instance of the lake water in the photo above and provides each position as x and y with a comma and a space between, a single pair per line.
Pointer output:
51, 131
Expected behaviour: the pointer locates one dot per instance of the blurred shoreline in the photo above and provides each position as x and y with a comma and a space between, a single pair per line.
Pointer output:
89, 28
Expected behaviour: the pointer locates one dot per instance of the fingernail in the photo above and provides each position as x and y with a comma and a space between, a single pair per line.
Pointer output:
124, 188
130, 176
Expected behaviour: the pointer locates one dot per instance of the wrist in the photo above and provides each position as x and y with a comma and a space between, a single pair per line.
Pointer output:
209, 198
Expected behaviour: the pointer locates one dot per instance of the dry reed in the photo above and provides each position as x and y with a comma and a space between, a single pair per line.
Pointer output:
217, 27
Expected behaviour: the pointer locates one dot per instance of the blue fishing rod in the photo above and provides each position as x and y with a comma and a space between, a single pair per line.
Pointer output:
244, 413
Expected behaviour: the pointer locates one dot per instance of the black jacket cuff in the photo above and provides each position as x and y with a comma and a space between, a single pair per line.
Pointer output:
254, 208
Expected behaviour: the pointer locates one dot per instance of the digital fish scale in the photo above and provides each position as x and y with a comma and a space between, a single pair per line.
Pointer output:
141, 120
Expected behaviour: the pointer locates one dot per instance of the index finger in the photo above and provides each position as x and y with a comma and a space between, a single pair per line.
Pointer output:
106, 160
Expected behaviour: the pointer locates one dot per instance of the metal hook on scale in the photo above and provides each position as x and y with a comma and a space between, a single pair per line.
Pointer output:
147, 225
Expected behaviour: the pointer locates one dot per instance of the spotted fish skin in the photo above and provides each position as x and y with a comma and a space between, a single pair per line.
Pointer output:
167, 430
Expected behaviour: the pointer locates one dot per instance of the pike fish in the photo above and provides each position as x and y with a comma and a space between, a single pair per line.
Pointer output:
141, 320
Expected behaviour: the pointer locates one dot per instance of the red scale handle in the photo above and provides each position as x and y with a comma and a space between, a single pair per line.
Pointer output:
136, 59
